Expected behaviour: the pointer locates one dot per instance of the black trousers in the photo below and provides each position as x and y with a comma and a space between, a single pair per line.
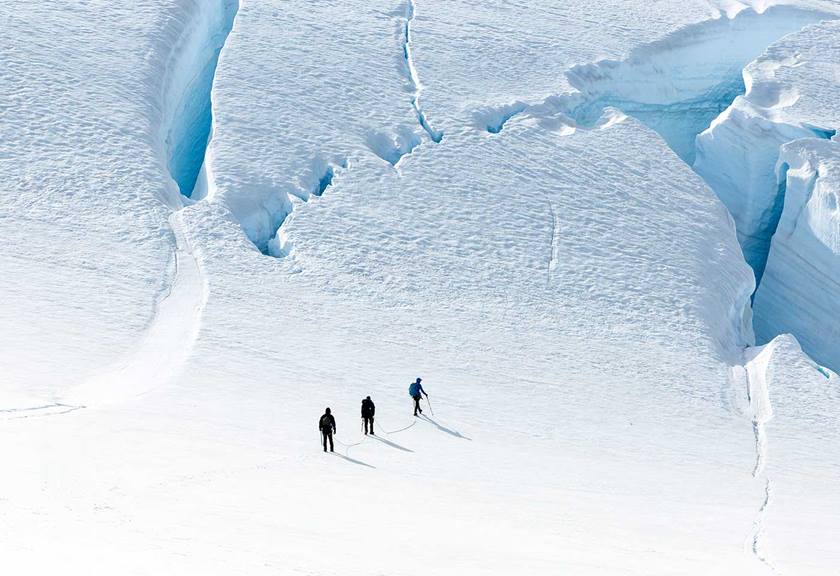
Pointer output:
327, 434
368, 419
417, 405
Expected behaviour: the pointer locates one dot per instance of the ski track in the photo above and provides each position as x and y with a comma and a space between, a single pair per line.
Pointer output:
54, 409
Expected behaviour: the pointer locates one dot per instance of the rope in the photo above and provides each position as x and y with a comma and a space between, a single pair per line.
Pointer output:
381, 429
347, 447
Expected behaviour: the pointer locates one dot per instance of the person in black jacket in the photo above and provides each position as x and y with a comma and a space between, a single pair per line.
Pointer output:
327, 427
368, 410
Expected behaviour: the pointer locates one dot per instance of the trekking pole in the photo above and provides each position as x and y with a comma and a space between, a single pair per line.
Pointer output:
429, 402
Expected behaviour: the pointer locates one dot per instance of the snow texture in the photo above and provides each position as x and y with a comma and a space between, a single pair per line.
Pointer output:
221, 218
84, 200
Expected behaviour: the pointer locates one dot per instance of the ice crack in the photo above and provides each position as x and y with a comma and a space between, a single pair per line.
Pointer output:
322, 177
555, 244
757, 544
413, 77
188, 108
757, 372
186, 125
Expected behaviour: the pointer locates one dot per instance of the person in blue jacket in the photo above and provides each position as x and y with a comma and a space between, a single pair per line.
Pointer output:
416, 391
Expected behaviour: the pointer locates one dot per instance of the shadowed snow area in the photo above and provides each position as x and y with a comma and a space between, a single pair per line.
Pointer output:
573, 295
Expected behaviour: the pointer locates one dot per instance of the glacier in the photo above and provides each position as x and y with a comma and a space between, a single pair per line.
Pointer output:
799, 293
220, 217
770, 160
737, 155
188, 78
79, 159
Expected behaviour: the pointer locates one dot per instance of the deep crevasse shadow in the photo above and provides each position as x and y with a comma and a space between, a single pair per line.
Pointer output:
188, 106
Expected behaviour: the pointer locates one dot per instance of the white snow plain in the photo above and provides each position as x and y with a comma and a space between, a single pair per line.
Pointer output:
432, 189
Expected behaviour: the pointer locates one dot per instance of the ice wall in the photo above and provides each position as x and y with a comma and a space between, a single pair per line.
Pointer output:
769, 159
190, 71
679, 84
737, 155
800, 292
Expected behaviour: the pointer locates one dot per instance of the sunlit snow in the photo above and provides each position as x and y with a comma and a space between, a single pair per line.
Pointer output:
605, 234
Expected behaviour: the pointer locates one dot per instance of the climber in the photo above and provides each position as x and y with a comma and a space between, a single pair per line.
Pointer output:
327, 427
415, 391
368, 410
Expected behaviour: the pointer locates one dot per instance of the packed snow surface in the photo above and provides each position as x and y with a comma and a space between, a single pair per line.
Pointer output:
221, 217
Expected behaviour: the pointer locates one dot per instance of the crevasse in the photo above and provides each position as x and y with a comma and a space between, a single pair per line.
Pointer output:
188, 113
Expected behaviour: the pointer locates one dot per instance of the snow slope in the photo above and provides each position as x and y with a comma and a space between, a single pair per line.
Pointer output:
572, 293
529, 422
83, 202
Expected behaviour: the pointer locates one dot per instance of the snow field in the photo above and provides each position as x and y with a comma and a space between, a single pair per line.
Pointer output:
572, 294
